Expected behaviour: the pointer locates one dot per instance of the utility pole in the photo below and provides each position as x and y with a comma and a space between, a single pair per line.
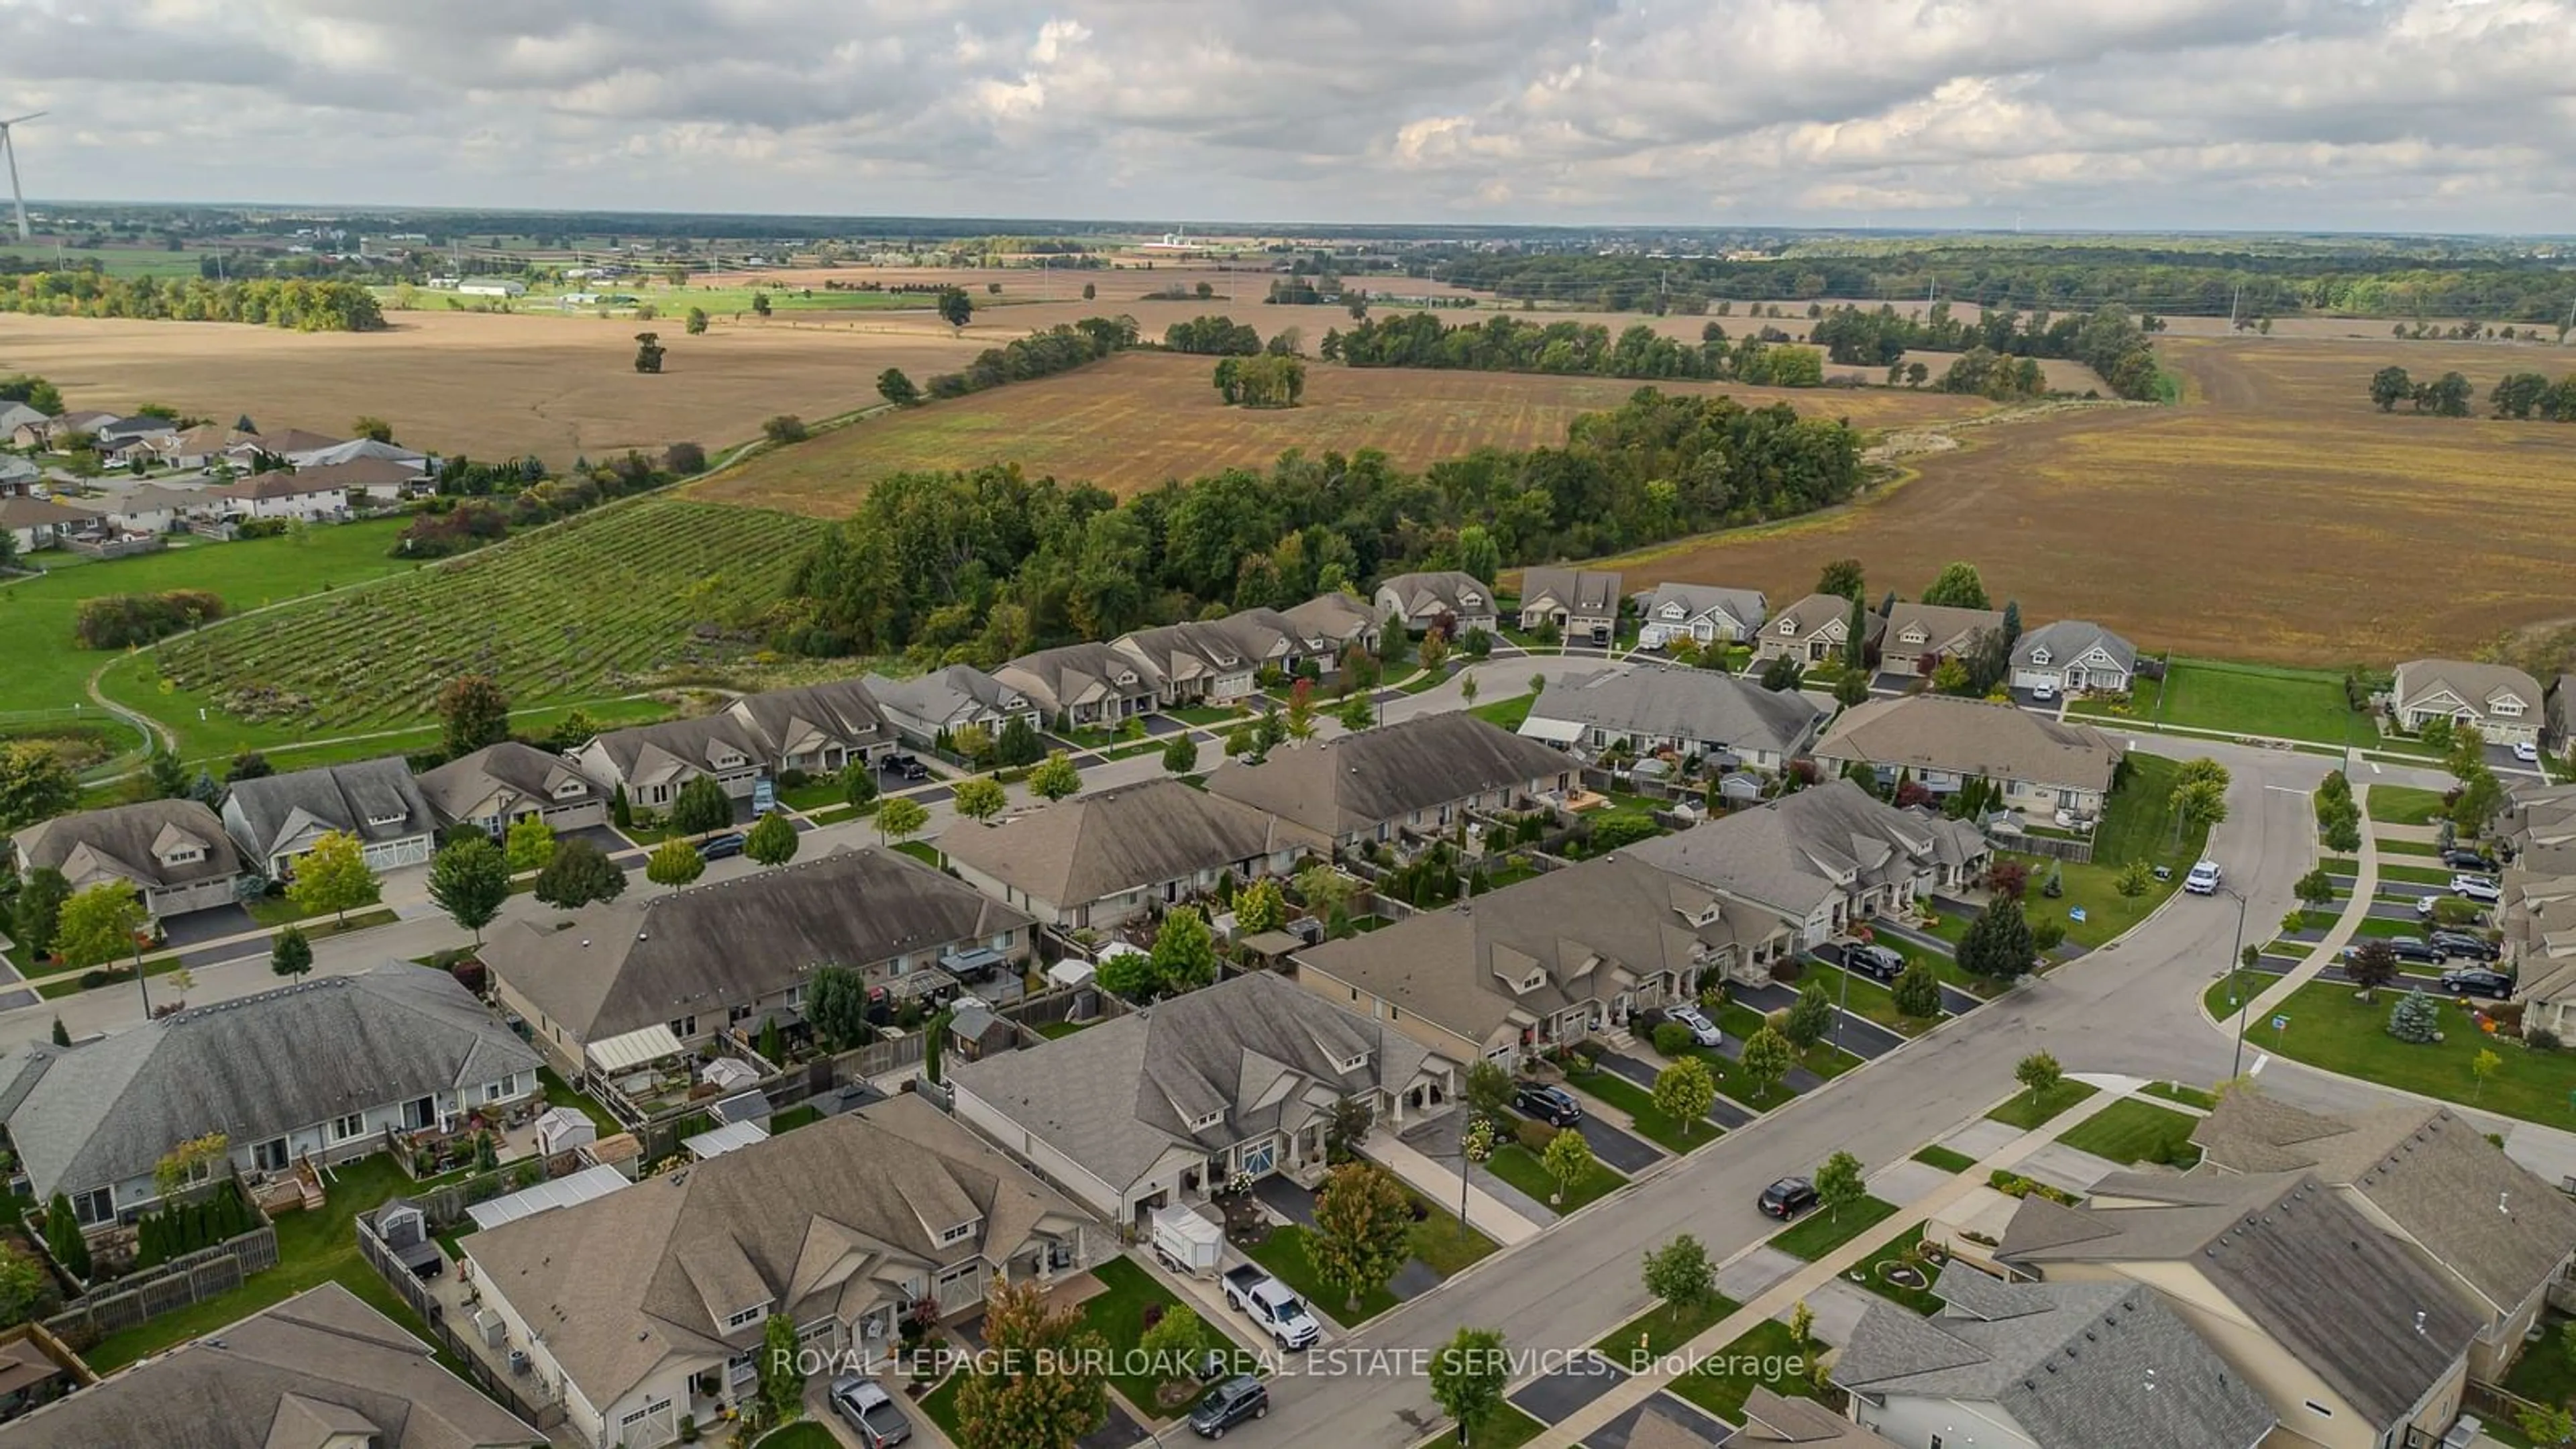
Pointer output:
2233, 298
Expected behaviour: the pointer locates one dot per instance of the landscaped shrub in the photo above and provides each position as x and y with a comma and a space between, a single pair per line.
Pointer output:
122, 621
1672, 1039
182, 1228
1621, 830
1533, 1135
2416, 1018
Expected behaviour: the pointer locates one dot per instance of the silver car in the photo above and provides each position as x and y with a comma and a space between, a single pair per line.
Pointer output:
870, 1410
1702, 1030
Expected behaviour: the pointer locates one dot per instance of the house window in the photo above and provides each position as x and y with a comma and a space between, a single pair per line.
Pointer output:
495, 1091
95, 1206
1204, 1123
959, 1233
747, 1317
344, 1128
684, 1027
183, 857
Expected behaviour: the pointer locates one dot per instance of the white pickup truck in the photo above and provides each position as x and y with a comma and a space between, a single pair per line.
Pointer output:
1268, 1302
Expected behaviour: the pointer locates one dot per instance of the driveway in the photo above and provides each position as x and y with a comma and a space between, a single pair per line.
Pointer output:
1284, 1197
1617, 1149
1634, 1069
1559, 1394
212, 925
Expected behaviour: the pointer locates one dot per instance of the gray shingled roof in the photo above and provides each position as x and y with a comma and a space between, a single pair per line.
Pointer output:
1784, 854
1943, 626
960, 690
1265, 1053
1058, 679
1335, 616
320, 1361
1971, 737
332, 797
508, 768
1581, 592
2067, 640
799, 721
657, 751
1355, 781
1769, 1418
1700, 704
255, 1068
1096, 845
2076, 1365
2473, 682
1748, 607
1815, 611
120, 840
1439, 590
2314, 1273
634, 962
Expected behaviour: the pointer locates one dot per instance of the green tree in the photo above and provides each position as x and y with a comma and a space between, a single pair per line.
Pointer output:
1839, 1184
333, 876
1260, 906
1998, 944
2484, 1065
1680, 1275
2134, 880
99, 924
2198, 805
896, 388
649, 352
900, 819
1856, 638
1180, 754
772, 839
858, 784
956, 308
1958, 587
528, 845
1842, 577
38, 917
1684, 1090
469, 880
760, 304
1055, 777
1809, 1018
1478, 554
1488, 1089
2371, 964
980, 798
373, 428
696, 323
1177, 1338
1468, 1376
781, 1373
2316, 887
1917, 990
35, 785
1184, 951
1039, 1385
1018, 743
1568, 1161
1766, 1059
579, 874
2040, 1072
702, 807
2390, 386
474, 712
1357, 713
2416, 1018
290, 953
674, 862
1782, 674
63, 1235
1363, 1229
169, 778
837, 1003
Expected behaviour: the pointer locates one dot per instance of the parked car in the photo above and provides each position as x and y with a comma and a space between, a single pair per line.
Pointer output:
2477, 888
2043, 691
1552, 1105
1871, 960
905, 766
1272, 1304
2203, 879
2462, 858
1228, 1404
2526, 751
2464, 945
2477, 981
2409, 948
1787, 1198
870, 1410
719, 847
1702, 1030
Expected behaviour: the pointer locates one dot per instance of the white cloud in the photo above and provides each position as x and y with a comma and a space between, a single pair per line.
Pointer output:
2084, 112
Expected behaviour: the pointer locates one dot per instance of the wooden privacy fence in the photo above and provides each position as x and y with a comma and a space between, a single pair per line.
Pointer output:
138, 1298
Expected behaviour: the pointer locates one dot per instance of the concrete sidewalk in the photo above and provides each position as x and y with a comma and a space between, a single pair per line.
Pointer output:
1439, 1182
2365, 885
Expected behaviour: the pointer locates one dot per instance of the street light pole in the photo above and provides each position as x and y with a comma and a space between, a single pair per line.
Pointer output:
2236, 966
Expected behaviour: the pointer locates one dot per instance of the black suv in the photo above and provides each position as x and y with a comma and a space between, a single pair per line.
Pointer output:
1230, 1403
2465, 946
2411, 948
1876, 961
2459, 859
1787, 1198
1551, 1105
2477, 981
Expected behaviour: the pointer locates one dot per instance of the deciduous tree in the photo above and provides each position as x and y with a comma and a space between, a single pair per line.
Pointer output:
1363, 1229
1809, 1017
1055, 777
469, 880
1684, 1090
579, 874
529, 845
980, 798
1184, 952
333, 876
1180, 754
1917, 990
1039, 1385
1839, 1184
35, 785
1260, 906
99, 924
900, 819
1766, 1059
1842, 577
674, 862
1471, 1370
956, 308
38, 916
1680, 1274
2040, 1072
1568, 1160
772, 839
1957, 587
896, 388
2371, 964
701, 807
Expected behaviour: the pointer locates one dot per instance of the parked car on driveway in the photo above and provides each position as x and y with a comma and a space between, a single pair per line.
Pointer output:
2462, 945
1230, 1403
1702, 1030
2477, 981
1552, 1105
2461, 858
2043, 691
2407, 948
2477, 888
1872, 960
720, 847
2526, 751
866, 1406
1787, 1198
2203, 879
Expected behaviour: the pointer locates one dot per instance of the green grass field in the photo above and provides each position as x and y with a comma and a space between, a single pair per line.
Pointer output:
2207, 694
2403, 805
1673, 1136
131, 261
2026, 1111
2137, 824
2132, 1131
2331, 1027
1520, 1167
1944, 1158
1661, 1330
1766, 1356
1822, 1231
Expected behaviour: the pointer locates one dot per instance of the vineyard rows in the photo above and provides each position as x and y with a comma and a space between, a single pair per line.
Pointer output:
600, 605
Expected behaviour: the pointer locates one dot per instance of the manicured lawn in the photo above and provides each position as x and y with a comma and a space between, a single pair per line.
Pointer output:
560, 1093
1441, 1246
1891, 1258
2131, 1131
275, 911
2544, 1373
1672, 1135
2137, 824
2027, 1112
922, 851
2177, 1092
1284, 1254
804, 1435
1425, 680
1117, 1314
1822, 1231
940, 1407
1945, 1158
1865, 999
1055, 1030
1661, 1329
1730, 1375
2414, 874
1203, 714
1740, 1021
1506, 1428
1520, 1167
2409, 847
2330, 1027
2297, 704
1507, 713
2403, 804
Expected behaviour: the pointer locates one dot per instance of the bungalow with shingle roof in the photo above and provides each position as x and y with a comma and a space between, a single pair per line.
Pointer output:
1582, 604
175, 852
1084, 684
278, 818
1704, 614
652, 762
1813, 631
2504, 703
1920, 636
1340, 620
497, 786
1447, 600
1098, 859
927, 705
1942, 743
1697, 712
1422, 775
2073, 656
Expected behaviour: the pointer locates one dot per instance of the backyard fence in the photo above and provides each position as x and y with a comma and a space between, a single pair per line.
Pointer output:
2073, 852
510, 1393
140, 1297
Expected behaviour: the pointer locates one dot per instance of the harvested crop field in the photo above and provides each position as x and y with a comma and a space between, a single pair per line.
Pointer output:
1135, 420
484, 384
2277, 516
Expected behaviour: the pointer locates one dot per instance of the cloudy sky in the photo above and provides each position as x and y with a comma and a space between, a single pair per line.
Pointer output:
2449, 115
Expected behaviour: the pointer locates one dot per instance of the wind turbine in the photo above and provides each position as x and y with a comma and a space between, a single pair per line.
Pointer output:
9, 149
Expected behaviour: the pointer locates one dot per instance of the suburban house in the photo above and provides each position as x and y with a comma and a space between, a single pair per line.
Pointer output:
815, 729
921, 707
1086, 684
2502, 701
1164, 1105
652, 762
2502, 1235
279, 817
2559, 723
1583, 604
56, 433
17, 475
1920, 636
314, 452
321, 1370
2073, 657
1420, 776
2076, 1365
1770, 1418
499, 785
279, 494
1943, 742
2539, 911
1699, 713
376, 480
1193, 663
291, 446
198, 446
1448, 600
641, 977
1824, 859
2355, 1340
645, 1306
1813, 629
1704, 614
174, 852
1543, 963
151, 508
16, 415
1340, 620
35, 523
323, 1069
1096, 860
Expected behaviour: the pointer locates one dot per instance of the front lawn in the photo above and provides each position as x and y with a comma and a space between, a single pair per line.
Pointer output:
2027, 1112
1671, 1134
1894, 1258
2410, 847
1729, 1376
1660, 1330
1506, 1428
2177, 1092
2330, 1027
2404, 805
805, 1434
2295, 704
1283, 1252
1866, 999
1520, 1167
940, 1407
1740, 1021
2137, 824
2130, 1131
1507, 713
1117, 1314
1822, 1231
2413, 874
1945, 1158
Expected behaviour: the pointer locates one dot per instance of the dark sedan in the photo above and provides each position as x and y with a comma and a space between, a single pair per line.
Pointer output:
2477, 981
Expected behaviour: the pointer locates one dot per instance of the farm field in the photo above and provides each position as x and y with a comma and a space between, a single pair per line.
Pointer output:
601, 606
485, 384
2275, 516
1132, 421
150, 261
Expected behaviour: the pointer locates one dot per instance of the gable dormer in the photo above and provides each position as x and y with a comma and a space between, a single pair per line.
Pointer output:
2039, 656
1914, 634
1471, 598
1788, 625
1675, 611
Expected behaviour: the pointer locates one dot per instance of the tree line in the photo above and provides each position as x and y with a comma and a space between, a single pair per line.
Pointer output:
979, 566
2521, 396
1060, 348
297, 304
2108, 340
1507, 344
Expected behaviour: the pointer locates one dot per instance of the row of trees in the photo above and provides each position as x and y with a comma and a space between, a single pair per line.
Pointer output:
1060, 348
1213, 337
1272, 380
1507, 344
303, 306
985, 565
2521, 396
